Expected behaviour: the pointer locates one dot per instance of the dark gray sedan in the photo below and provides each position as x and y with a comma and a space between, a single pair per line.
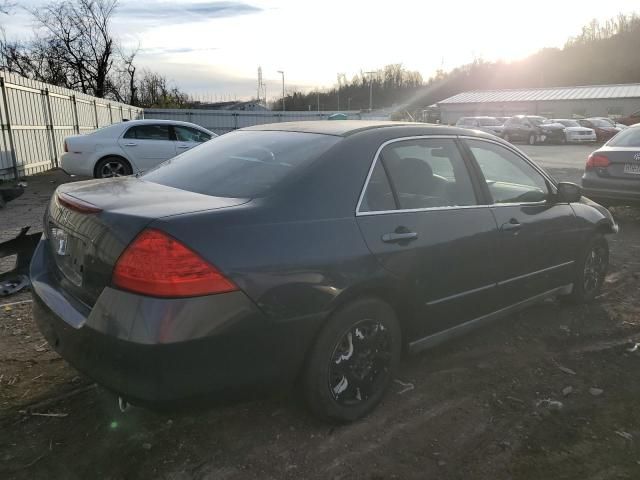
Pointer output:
314, 252
612, 173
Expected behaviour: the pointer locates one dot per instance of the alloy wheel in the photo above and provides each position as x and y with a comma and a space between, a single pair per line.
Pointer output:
113, 169
359, 362
594, 269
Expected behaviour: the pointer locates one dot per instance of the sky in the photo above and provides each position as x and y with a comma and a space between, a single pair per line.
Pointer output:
212, 49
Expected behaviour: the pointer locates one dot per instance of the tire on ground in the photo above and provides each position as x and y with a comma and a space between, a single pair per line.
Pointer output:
316, 381
126, 166
582, 291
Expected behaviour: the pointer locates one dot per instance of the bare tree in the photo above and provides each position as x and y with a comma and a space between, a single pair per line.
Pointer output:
78, 33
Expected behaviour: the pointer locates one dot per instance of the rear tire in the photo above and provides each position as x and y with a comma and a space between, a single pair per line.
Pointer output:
353, 361
113, 166
591, 271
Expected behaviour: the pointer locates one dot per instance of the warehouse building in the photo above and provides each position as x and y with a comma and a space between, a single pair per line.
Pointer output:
557, 102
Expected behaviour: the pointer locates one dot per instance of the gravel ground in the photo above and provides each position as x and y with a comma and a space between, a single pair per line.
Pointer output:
548, 393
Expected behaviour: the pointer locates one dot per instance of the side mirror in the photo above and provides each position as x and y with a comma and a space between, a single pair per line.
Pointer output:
569, 192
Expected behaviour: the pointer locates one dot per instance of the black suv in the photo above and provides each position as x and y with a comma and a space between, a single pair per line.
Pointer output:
533, 129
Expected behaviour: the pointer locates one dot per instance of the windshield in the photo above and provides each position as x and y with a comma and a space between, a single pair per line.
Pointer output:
241, 164
598, 122
489, 122
566, 123
626, 138
537, 120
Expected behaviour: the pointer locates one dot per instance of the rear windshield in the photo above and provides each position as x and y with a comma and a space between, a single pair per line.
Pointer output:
626, 138
241, 164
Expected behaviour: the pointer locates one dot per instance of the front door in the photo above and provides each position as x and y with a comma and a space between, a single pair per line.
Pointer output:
148, 145
423, 219
538, 235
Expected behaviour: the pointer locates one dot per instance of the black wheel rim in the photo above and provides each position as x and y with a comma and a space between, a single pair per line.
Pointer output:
359, 362
112, 169
595, 266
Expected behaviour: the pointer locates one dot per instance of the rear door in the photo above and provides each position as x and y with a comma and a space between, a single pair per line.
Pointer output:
148, 145
424, 218
187, 137
539, 237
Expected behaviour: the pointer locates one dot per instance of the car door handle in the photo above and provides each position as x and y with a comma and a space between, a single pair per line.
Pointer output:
130, 144
511, 226
399, 237
184, 146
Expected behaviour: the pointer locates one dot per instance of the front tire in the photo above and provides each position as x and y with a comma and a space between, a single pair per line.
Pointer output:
353, 361
113, 166
532, 139
591, 271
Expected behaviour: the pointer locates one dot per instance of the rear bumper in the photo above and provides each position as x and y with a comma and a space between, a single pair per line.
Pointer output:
614, 191
76, 164
164, 351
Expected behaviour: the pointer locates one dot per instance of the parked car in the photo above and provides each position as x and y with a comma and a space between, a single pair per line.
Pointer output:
484, 124
604, 130
316, 251
129, 147
532, 129
574, 132
613, 123
630, 119
502, 119
612, 173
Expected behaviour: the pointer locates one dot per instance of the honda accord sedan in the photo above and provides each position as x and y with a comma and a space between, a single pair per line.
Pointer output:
311, 252
129, 147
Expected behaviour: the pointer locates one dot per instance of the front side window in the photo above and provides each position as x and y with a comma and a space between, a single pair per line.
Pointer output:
422, 173
187, 134
148, 132
509, 177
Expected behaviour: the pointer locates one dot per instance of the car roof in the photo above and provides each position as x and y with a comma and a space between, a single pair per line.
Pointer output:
345, 128
340, 128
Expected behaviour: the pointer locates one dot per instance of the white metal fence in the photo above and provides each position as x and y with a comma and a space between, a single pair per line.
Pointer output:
223, 121
36, 116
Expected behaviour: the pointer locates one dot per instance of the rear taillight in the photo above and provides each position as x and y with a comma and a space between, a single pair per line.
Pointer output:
597, 160
158, 265
76, 204
66, 147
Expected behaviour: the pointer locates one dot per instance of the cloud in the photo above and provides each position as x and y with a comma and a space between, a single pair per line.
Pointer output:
187, 12
173, 51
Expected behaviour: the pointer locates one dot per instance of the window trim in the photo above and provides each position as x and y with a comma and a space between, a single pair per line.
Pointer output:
376, 157
550, 181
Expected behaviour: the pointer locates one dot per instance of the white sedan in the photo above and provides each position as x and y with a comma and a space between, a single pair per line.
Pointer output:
129, 147
574, 132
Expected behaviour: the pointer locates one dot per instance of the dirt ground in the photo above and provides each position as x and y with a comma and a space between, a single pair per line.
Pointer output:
484, 406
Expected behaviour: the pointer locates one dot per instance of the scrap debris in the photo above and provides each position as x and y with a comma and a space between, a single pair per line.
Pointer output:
406, 386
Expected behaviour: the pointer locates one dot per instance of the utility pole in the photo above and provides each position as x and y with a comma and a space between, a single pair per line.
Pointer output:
318, 97
349, 103
339, 91
282, 73
370, 90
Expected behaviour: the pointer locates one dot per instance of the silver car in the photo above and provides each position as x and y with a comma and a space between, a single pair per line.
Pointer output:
485, 124
612, 173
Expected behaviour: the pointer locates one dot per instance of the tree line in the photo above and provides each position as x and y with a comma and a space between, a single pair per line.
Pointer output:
73, 46
385, 87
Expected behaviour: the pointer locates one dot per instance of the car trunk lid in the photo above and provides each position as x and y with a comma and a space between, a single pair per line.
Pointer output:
624, 163
89, 224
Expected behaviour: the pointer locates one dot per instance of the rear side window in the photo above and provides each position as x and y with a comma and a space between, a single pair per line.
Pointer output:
242, 164
422, 173
148, 132
626, 138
